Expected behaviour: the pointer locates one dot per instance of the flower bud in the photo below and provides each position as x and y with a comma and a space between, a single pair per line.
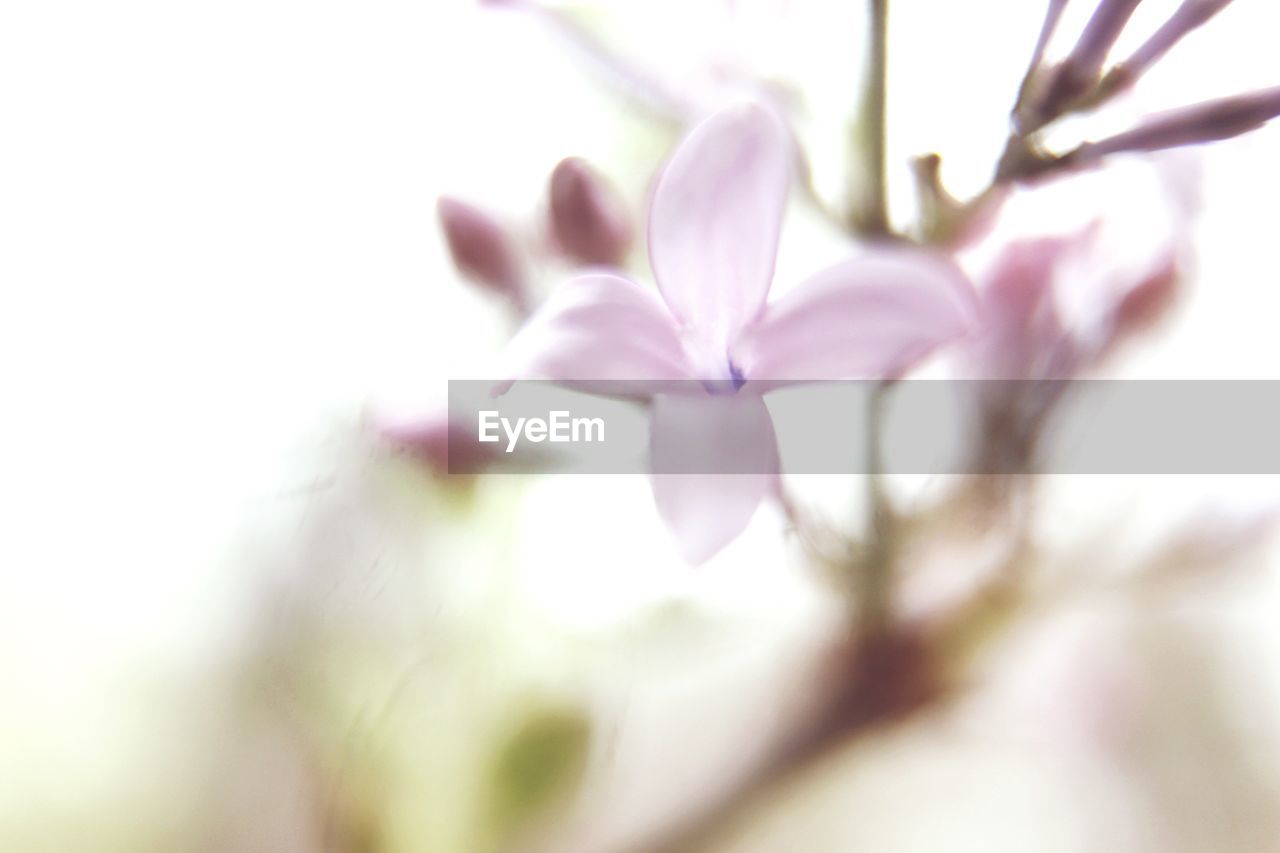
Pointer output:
1100, 35
445, 445
482, 250
1191, 15
1203, 122
1144, 304
589, 222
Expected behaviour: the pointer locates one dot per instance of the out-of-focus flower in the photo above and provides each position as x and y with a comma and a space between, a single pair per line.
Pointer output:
1026, 336
1204, 122
588, 220
1063, 281
483, 250
713, 234
1191, 15
1073, 265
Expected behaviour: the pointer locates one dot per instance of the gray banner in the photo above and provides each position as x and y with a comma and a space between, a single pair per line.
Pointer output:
929, 427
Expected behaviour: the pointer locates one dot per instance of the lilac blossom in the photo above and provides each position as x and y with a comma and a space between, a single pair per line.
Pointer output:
714, 226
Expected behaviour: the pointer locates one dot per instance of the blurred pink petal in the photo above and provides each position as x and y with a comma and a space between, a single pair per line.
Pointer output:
599, 326
715, 220
1085, 243
870, 316
1022, 336
713, 432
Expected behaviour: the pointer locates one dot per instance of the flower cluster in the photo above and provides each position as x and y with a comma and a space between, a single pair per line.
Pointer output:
996, 299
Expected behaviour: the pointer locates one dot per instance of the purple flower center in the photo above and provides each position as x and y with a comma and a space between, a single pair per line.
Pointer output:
726, 386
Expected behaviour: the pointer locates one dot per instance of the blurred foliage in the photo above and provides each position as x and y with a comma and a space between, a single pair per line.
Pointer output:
538, 767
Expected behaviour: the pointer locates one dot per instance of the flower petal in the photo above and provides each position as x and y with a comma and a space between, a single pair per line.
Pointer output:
715, 219
871, 316
599, 327
692, 435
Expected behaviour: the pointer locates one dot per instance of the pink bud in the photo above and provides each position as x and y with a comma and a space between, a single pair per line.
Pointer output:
589, 222
482, 249
1191, 15
1144, 304
1203, 122
444, 445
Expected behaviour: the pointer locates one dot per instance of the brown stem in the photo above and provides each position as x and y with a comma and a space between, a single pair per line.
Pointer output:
870, 214
880, 679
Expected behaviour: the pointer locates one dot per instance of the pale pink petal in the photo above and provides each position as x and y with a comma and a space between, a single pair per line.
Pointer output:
870, 316
715, 219
696, 434
599, 327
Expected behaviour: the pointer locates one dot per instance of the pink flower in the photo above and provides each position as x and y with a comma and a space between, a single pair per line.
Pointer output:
714, 225
1073, 267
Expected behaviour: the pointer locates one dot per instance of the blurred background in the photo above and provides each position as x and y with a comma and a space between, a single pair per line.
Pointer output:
231, 619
